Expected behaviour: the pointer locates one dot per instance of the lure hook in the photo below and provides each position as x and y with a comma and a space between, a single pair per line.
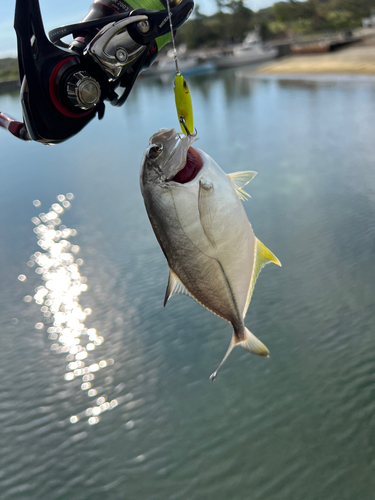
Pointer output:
183, 124
182, 121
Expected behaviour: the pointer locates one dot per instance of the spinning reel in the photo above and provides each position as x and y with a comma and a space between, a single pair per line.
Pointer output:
64, 86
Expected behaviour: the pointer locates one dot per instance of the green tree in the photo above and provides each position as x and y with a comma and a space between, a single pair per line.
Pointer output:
233, 20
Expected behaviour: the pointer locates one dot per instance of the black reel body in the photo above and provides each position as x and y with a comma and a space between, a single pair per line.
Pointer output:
47, 120
63, 87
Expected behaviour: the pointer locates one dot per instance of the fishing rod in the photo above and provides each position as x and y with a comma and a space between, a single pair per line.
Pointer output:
64, 86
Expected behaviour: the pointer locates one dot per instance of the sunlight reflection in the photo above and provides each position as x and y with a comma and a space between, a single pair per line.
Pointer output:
59, 300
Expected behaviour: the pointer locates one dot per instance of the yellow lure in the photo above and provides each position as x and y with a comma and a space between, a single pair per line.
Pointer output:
183, 104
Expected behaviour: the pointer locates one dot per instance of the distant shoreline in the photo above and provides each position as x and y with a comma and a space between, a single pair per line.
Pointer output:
312, 77
9, 86
353, 63
9, 77
354, 60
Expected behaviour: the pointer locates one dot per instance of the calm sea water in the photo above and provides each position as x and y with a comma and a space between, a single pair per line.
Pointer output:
299, 425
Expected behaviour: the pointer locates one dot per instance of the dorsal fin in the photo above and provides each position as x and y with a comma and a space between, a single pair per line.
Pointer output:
174, 287
262, 256
240, 180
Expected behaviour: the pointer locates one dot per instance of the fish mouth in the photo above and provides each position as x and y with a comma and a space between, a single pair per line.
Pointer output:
171, 156
175, 154
193, 165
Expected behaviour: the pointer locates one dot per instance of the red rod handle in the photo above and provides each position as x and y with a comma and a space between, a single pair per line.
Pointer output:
15, 127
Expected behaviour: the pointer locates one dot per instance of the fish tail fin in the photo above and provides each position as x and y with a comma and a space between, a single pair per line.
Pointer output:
250, 343
232, 344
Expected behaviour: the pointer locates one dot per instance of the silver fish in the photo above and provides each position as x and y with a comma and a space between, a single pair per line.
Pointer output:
196, 213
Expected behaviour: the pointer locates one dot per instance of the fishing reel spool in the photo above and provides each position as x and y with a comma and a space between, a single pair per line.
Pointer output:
64, 86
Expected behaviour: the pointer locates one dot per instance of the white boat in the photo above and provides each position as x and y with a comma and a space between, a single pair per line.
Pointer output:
187, 65
251, 51
190, 66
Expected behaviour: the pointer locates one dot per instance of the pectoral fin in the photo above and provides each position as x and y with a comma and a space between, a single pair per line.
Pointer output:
207, 209
175, 287
262, 256
240, 180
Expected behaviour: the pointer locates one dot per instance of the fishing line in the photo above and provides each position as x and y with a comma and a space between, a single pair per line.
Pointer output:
174, 45
182, 95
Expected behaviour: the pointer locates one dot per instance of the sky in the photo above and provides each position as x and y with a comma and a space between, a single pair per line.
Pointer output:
56, 13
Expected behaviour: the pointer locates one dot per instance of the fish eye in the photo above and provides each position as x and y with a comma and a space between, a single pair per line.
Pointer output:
154, 151
185, 84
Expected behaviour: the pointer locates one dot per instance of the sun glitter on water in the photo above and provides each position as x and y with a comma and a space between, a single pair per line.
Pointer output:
59, 269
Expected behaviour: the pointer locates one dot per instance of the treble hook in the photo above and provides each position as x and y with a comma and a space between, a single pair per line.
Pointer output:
182, 121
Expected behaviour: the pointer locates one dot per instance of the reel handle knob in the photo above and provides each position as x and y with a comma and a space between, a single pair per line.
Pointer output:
83, 90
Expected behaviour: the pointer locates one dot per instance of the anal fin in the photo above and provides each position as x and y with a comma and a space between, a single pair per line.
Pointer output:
175, 287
